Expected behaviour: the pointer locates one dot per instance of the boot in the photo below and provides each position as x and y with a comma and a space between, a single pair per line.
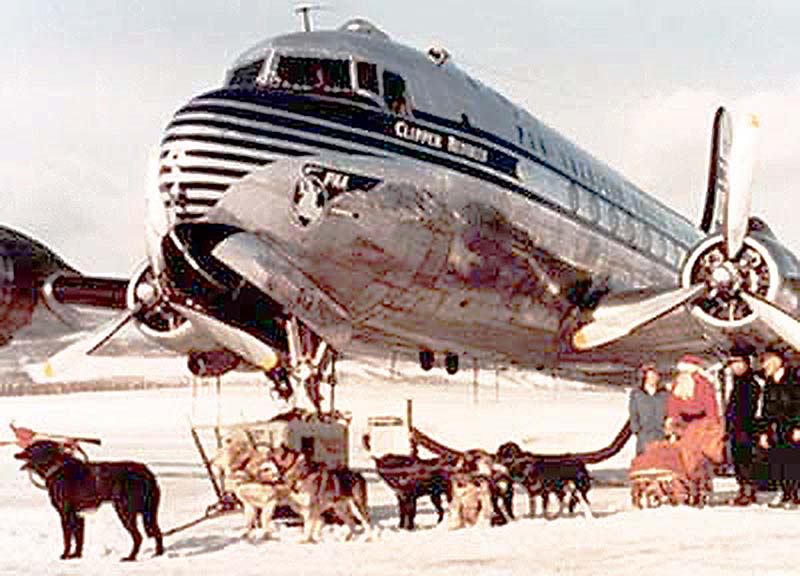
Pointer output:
746, 495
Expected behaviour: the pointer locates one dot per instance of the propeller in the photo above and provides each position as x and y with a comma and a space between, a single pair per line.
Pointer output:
730, 176
147, 298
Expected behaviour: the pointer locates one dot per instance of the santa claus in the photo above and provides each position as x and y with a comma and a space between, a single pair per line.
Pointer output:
693, 396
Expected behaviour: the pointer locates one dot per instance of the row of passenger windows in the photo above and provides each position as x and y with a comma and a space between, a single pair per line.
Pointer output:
326, 75
624, 226
570, 161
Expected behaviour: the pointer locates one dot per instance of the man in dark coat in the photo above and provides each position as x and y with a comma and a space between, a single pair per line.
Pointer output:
790, 477
740, 415
763, 441
781, 391
781, 407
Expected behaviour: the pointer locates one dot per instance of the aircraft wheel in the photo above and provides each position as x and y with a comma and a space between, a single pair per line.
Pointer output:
451, 363
426, 359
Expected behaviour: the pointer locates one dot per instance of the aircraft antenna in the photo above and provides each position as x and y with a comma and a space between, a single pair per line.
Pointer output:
304, 11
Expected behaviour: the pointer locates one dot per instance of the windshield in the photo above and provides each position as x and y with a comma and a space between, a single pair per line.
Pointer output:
349, 77
298, 73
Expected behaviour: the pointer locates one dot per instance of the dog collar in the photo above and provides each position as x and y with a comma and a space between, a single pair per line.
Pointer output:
50, 472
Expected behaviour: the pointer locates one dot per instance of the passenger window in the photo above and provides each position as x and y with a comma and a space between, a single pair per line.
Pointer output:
670, 252
368, 77
657, 245
394, 93
644, 238
591, 205
542, 146
612, 219
574, 201
634, 229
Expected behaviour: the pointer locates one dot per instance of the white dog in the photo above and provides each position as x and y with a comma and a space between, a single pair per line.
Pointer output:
255, 479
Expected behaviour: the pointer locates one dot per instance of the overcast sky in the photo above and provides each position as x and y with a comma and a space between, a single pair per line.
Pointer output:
86, 88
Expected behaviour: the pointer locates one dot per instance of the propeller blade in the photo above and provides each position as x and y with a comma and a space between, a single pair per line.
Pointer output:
616, 320
60, 362
717, 171
245, 345
782, 323
736, 212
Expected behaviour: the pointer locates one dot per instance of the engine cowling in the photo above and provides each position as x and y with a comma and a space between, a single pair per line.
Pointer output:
159, 322
24, 266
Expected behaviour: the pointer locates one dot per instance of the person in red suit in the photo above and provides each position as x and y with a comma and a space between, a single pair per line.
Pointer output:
693, 396
692, 402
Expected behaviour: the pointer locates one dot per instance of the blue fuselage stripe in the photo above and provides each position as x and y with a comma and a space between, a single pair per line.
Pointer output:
371, 121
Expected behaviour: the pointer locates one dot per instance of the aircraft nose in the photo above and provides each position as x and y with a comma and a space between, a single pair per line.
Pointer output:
206, 147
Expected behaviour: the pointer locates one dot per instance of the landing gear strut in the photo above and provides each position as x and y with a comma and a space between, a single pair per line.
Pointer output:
311, 362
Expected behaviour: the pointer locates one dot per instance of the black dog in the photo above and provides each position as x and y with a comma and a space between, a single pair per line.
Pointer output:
75, 486
411, 477
564, 477
502, 498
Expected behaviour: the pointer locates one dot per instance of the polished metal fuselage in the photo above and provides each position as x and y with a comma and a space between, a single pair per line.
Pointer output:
463, 225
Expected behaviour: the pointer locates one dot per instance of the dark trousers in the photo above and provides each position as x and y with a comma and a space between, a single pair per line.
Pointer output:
785, 469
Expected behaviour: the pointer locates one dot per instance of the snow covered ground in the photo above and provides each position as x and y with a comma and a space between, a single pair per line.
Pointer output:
153, 426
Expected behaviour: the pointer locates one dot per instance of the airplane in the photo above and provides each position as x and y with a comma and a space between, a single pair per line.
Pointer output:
342, 193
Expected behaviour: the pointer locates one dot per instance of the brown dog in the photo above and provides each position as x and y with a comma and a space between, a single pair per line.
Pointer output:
318, 489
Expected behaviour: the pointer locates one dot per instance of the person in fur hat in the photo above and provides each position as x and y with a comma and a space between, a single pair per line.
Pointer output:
693, 402
781, 391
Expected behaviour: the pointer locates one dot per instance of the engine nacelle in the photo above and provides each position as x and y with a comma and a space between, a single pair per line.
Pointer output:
17, 295
24, 266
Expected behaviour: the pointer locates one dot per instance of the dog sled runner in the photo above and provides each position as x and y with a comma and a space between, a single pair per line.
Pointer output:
678, 472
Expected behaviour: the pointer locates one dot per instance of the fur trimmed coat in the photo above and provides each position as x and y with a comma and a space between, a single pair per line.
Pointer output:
701, 404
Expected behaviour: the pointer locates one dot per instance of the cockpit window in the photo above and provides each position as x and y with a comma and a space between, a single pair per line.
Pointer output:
368, 77
394, 92
246, 75
312, 74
